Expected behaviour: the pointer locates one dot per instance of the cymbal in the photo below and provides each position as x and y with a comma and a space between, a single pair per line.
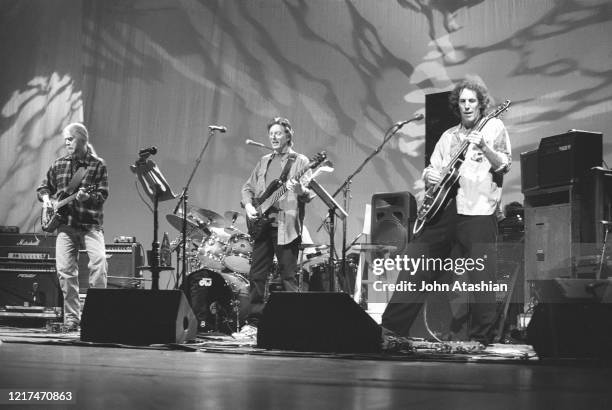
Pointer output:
318, 247
233, 230
208, 217
374, 247
194, 230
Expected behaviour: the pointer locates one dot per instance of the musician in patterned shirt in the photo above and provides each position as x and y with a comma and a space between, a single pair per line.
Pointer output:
467, 224
81, 222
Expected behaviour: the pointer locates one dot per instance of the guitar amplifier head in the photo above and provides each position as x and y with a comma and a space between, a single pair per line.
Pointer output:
27, 245
123, 259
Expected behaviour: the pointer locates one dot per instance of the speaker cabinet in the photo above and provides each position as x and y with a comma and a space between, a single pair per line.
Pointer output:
317, 322
438, 118
123, 259
566, 158
562, 224
392, 217
30, 287
548, 242
529, 170
137, 317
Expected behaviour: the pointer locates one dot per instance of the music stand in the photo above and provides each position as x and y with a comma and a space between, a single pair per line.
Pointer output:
158, 189
334, 210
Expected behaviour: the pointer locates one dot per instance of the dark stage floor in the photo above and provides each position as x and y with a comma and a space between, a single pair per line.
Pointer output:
235, 378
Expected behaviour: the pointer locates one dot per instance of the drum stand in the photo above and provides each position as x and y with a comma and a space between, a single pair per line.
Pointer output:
157, 188
606, 225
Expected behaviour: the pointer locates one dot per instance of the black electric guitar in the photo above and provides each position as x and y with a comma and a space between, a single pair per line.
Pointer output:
275, 191
435, 195
51, 217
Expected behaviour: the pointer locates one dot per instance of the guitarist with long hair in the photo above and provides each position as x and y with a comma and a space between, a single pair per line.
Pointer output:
466, 223
279, 231
80, 174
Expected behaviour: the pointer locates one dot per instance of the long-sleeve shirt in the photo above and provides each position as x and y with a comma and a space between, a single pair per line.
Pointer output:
480, 186
86, 214
291, 206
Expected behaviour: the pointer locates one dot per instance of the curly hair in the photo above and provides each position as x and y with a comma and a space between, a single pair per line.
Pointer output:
472, 83
285, 124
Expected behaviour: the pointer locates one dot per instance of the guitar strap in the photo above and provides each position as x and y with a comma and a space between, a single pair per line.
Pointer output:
287, 167
76, 180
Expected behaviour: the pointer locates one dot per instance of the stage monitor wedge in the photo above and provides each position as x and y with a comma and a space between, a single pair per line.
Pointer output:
317, 322
137, 317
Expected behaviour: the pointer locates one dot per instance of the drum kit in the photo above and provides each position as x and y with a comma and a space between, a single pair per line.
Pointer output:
218, 252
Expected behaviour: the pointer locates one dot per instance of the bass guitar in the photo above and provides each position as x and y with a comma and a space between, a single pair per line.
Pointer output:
51, 217
274, 192
435, 195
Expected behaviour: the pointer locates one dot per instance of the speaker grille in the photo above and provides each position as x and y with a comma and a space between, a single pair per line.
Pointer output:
392, 214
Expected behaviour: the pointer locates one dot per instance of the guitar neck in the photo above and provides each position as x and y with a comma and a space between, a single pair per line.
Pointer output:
65, 201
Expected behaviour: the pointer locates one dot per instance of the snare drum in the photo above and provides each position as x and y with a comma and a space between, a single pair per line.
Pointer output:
238, 253
211, 253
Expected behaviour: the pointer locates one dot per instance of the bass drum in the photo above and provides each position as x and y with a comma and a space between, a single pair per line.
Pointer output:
219, 301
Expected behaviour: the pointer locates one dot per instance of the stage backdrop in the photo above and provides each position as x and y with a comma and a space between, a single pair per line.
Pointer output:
158, 72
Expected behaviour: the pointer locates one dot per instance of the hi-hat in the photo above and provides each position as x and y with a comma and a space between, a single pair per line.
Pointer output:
236, 222
232, 217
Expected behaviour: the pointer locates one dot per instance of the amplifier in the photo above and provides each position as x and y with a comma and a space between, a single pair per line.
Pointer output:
566, 158
529, 170
123, 258
27, 245
29, 283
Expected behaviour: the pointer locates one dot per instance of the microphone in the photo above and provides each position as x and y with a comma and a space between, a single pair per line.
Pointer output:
217, 128
257, 144
146, 152
417, 117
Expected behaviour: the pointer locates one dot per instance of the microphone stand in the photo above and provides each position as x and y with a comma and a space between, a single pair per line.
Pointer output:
183, 199
345, 188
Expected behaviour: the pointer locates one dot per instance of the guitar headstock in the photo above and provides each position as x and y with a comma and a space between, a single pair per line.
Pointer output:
317, 159
499, 110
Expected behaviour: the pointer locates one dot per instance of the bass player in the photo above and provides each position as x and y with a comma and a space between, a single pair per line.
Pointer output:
82, 173
466, 224
281, 235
